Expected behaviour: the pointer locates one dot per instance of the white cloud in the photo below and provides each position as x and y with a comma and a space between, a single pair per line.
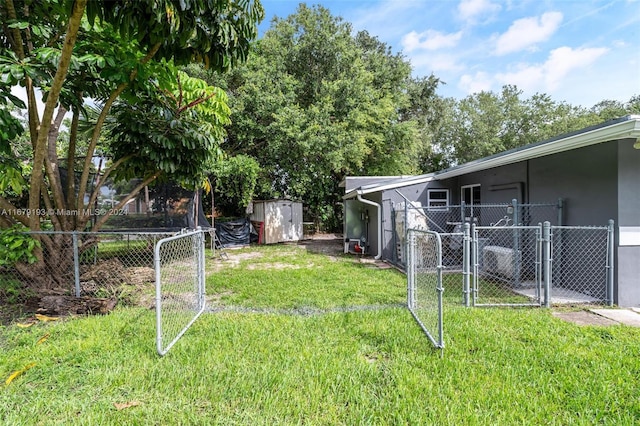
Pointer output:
550, 75
526, 32
427, 62
429, 40
479, 82
469, 10
564, 60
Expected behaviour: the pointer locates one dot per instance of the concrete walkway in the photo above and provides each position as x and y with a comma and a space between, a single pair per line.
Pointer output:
623, 316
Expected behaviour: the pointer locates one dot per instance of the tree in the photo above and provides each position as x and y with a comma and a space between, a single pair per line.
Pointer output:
316, 103
235, 183
71, 50
488, 123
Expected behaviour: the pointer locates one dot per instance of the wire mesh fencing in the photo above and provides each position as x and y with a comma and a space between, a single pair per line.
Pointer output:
425, 284
581, 261
450, 219
96, 264
521, 265
180, 286
507, 262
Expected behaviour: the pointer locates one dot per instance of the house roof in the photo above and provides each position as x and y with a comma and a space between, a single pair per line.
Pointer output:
627, 127
388, 184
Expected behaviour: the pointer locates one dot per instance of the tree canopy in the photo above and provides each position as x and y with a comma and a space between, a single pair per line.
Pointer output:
69, 51
488, 123
84, 57
315, 103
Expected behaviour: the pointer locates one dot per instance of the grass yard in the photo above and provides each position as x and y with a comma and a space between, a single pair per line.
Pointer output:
299, 359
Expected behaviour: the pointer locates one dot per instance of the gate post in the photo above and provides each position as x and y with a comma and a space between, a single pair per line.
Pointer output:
76, 263
610, 264
546, 261
466, 264
474, 260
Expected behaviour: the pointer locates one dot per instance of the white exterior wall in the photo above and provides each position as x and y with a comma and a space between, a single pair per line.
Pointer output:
282, 220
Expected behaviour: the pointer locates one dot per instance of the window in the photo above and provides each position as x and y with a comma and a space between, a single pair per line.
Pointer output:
438, 199
470, 195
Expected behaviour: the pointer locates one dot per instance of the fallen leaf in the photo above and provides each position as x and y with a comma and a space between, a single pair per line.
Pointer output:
25, 325
45, 318
18, 373
43, 338
126, 405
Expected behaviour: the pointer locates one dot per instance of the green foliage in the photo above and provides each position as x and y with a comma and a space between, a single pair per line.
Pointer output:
217, 33
11, 291
316, 103
177, 133
17, 246
488, 123
235, 183
12, 181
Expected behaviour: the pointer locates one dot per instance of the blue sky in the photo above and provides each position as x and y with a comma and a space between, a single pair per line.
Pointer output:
576, 51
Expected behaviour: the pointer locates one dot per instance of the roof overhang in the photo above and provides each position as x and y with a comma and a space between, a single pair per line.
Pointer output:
627, 127
397, 183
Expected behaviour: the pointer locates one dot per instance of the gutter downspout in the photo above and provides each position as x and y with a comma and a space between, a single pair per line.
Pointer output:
377, 206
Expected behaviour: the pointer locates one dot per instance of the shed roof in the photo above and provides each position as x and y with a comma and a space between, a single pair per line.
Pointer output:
627, 127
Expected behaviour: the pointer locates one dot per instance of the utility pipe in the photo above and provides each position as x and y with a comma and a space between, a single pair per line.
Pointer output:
379, 209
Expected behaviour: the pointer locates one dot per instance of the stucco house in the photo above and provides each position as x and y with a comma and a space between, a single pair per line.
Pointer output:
595, 172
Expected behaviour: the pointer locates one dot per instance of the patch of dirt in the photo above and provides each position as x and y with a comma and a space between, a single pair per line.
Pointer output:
276, 265
11, 312
329, 244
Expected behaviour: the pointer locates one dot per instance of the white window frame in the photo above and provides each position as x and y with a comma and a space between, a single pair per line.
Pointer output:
473, 202
462, 188
438, 200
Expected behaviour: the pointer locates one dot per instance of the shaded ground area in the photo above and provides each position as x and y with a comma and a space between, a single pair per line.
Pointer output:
329, 244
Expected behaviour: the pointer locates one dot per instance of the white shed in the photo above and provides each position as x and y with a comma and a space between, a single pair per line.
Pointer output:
281, 220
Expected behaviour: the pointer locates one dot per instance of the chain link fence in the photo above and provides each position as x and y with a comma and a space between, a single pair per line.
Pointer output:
581, 262
425, 284
180, 286
450, 219
507, 263
525, 265
96, 264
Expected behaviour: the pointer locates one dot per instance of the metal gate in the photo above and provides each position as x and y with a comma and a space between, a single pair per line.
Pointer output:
424, 282
507, 266
180, 286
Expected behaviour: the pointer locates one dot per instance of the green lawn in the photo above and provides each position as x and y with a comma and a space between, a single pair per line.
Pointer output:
373, 366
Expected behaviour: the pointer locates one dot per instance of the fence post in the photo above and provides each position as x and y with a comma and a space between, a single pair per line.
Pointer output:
474, 260
610, 264
466, 263
409, 258
201, 271
76, 262
560, 210
546, 260
516, 242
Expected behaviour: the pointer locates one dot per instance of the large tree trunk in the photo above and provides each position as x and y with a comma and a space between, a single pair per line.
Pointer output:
54, 268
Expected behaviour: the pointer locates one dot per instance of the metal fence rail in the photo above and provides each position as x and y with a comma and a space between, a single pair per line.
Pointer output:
180, 286
424, 276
